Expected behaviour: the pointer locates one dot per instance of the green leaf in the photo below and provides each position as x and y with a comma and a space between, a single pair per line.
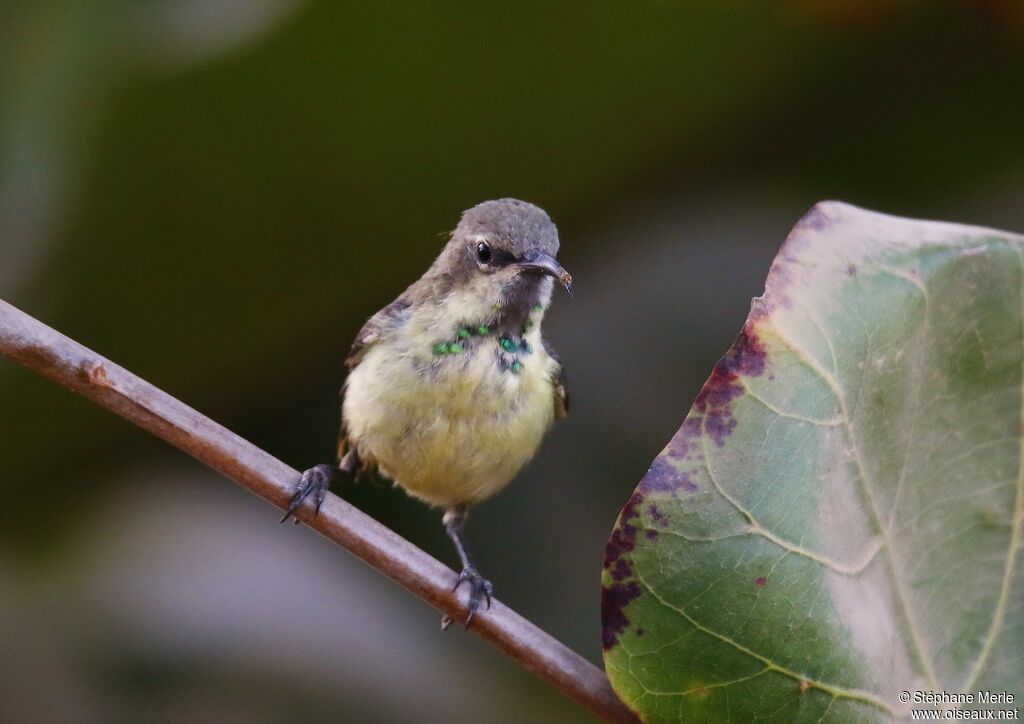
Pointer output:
838, 519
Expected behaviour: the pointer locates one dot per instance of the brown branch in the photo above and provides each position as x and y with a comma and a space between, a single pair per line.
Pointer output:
68, 363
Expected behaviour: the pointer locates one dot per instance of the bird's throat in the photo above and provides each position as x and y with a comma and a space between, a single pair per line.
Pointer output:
508, 336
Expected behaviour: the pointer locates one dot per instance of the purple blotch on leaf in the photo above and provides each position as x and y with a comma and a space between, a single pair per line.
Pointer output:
662, 477
761, 582
656, 515
719, 424
614, 599
623, 538
745, 358
621, 570
681, 444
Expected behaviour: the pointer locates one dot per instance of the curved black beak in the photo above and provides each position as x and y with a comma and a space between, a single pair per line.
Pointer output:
541, 263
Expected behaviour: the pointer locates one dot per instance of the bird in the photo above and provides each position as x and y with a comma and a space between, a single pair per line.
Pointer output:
452, 386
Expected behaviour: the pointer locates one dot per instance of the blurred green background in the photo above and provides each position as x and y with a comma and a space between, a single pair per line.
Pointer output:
216, 194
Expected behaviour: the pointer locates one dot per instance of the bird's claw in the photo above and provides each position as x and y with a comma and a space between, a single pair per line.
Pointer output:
314, 482
479, 588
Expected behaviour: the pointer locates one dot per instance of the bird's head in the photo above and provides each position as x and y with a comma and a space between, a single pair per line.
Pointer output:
503, 254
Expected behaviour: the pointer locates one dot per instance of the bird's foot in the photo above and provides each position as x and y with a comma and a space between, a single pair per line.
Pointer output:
479, 588
314, 483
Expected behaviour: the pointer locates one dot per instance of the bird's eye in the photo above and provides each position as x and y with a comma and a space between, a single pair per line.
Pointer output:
483, 252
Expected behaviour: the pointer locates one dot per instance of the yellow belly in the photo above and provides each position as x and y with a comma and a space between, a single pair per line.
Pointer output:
449, 429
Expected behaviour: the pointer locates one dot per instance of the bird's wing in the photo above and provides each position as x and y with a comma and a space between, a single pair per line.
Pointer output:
559, 383
370, 332
368, 335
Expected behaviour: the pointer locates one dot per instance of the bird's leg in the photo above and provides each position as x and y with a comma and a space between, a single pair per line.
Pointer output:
479, 587
317, 481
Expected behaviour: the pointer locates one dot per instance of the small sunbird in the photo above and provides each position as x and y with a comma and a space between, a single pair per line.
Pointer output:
451, 387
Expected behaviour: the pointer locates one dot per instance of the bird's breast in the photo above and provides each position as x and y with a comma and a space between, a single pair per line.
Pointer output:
451, 421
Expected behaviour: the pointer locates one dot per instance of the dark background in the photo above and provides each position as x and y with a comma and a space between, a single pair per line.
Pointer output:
217, 194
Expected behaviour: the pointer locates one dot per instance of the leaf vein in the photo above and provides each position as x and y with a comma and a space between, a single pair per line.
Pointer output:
915, 637
837, 691
1003, 600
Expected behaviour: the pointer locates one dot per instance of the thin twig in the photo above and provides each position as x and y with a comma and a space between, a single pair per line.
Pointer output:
68, 363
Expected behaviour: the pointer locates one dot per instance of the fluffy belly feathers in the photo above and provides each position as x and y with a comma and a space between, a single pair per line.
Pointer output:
450, 429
